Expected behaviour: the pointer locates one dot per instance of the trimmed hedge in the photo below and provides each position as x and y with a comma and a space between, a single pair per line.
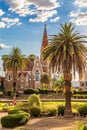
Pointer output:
29, 91
61, 109
83, 110
35, 111
39, 91
16, 111
52, 112
15, 118
34, 100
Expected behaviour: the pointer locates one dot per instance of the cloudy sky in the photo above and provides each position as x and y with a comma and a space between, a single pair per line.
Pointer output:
22, 21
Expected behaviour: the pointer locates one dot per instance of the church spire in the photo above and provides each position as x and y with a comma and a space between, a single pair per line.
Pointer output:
45, 39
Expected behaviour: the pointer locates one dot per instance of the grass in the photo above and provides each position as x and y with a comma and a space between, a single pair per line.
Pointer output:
45, 105
75, 105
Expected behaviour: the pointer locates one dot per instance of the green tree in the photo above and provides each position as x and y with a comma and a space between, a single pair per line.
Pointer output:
67, 52
45, 80
14, 61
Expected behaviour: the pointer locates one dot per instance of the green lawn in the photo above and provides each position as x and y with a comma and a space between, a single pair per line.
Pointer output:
49, 105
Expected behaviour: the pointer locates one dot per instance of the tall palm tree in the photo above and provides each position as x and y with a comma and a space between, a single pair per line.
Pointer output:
14, 61
67, 51
31, 61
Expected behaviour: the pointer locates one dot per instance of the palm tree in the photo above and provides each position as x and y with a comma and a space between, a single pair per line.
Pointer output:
59, 84
31, 61
67, 52
14, 61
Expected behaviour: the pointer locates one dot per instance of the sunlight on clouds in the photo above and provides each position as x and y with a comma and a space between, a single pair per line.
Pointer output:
39, 8
45, 4
8, 22
1, 12
2, 25
2, 46
43, 16
81, 3
55, 19
78, 17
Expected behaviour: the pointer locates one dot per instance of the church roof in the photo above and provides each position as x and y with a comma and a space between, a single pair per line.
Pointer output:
45, 38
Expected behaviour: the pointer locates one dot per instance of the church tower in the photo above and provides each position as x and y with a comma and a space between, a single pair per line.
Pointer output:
45, 64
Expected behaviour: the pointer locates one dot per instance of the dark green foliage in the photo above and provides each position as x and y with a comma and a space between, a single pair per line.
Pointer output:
35, 111
61, 110
9, 92
80, 92
83, 110
13, 120
29, 91
52, 112
34, 100
45, 91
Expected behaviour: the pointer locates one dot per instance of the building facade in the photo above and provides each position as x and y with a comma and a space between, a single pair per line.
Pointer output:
30, 78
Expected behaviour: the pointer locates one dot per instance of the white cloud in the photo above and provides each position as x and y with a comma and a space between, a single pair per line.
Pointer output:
8, 22
55, 19
2, 46
1, 12
78, 17
45, 4
43, 16
34, 7
2, 25
81, 3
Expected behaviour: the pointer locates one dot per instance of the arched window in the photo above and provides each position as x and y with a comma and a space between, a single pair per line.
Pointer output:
37, 77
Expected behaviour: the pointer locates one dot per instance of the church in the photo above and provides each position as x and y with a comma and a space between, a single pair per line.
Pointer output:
30, 78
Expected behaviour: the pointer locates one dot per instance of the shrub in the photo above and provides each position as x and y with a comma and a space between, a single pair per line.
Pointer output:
17, 111
45, 91
82, 126
61, 109
34, 100
35, 111
82, 110
1, 94
52, 112
23, 106
29, 91
13, 120
9, 92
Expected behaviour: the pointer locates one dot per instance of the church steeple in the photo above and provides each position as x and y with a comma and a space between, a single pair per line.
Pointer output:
45, 39
45, 65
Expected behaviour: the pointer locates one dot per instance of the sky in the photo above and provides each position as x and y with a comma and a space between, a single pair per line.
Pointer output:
22, 22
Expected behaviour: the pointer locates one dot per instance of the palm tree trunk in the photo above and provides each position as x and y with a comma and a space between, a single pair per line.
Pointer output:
14, 83
68, 110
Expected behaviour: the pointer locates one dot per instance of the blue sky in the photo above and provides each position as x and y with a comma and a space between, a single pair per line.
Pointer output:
22, 22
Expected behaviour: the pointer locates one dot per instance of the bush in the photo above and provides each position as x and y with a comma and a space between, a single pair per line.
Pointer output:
17, 111
35, 111
34, 100
61, 110
23, 106
83, 110
29, 91
13, 120
82, 126
52, 112
1, 94
45, 91
9, 93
